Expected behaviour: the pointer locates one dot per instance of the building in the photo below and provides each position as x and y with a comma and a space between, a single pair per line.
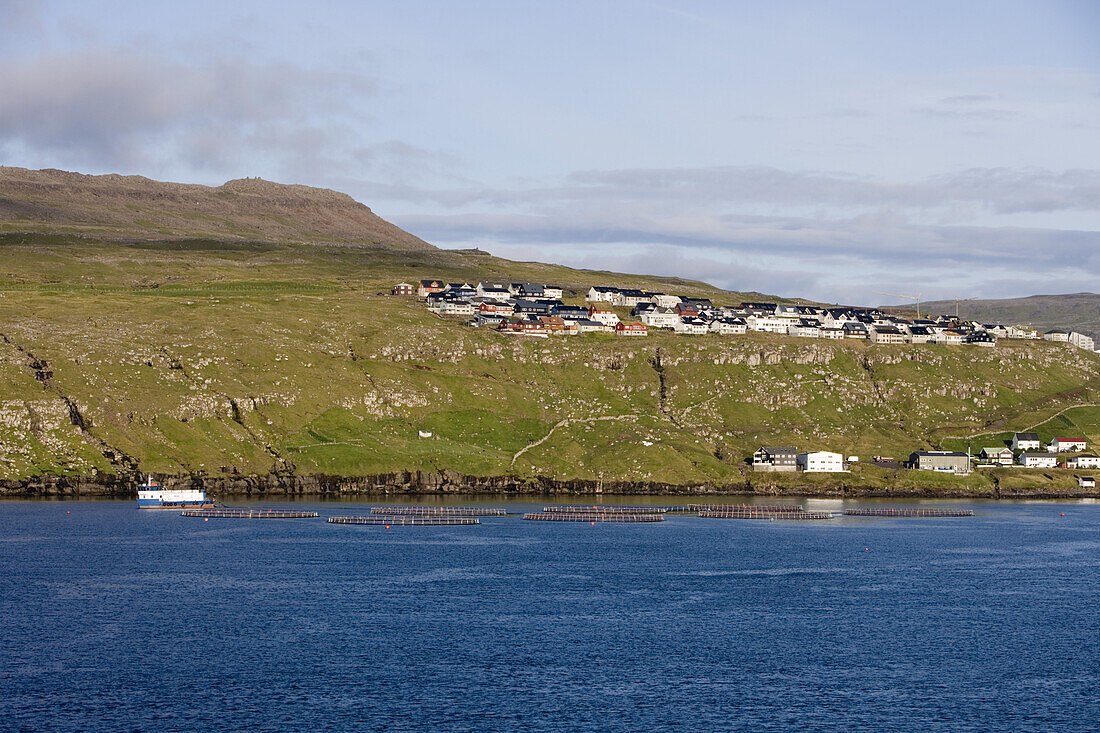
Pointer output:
884, 334
940, 460
980, 338
1082, 341
600, 294
552, 291
456, 308
854, 330
492, 306
430, 287
1065, 445
691, 326
728, 326
404, 289
493, 291
629, 297
998, 456
949, 336
775, 459
768, 324
1025, 441
1085, 460
1086, 482
805, 328
522, 326
588, 326
821, 461
660, 317
1028, 459
1056, 334
631, 329
603, 314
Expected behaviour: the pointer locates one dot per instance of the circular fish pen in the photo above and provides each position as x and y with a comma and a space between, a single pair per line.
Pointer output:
594, 517
249, 513
405, 520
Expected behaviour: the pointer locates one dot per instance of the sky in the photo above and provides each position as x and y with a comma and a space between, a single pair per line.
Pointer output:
827, 150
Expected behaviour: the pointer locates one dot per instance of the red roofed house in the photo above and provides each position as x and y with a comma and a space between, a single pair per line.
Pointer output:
1062, 445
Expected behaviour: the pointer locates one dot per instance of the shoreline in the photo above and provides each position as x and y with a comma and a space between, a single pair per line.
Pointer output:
450, 483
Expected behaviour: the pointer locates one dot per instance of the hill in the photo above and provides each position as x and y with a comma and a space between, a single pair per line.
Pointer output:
287, 366
1077, 311
114, 206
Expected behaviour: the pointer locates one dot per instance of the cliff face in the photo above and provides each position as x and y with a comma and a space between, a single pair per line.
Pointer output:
137, 207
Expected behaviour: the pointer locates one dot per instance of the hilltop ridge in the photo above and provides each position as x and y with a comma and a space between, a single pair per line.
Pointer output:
121, 207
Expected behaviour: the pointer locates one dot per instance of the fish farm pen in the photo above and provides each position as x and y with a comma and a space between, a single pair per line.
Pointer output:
909, 512
438, 511
405, 520
754, 514
789, 508
604, 509
594, 517
249, 513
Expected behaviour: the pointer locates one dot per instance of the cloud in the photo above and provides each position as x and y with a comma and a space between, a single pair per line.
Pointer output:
112, 109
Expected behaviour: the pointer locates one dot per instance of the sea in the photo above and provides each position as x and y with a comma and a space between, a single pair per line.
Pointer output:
117, 619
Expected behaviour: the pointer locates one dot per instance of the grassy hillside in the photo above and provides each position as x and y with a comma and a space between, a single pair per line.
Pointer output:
202, 355
1076, 312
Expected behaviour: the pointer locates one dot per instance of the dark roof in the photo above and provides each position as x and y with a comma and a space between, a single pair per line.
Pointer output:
941, 454
1027, 436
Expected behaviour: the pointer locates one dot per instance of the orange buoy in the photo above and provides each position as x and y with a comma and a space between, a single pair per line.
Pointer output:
1063, 514
387, 526
68, 512
206, 519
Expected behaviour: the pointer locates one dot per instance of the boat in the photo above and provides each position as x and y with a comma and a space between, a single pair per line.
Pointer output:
151, 495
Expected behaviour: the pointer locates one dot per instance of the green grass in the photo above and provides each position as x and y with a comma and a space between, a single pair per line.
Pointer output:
330, 377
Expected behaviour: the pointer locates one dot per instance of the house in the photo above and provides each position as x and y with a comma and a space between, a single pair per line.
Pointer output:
1085, 460
685, 309
787, 311
553, 324
492, 306
1021, 332
404, 289
805, 328
522, 326
691, 326
832, 333
644, 307
854, 330
570, 312
920, 334
456, 308
552, 291
600, 294
883, 334
665, 301
1025, 441
660, 317
534, 307
487, 320
821, 461
945, 461
1064, 445
1037, 460
429, 287
588, 326
1086, 482
998, 456
769, 324
603, 314
729, 326
493, 291
949, 336
629, 297
980, 338
1056, 335
759, 309
528, 290
775, 459
1082, 341
631, 329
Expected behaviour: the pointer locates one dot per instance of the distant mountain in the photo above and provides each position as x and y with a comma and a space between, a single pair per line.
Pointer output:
121, 207
1076, 311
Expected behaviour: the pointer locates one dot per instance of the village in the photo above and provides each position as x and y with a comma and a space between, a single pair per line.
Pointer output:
1025, 450
537, 310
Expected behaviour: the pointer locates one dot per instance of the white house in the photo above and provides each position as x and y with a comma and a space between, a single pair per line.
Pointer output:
1056, 335
456, 308
660, 317
604, 315
821, 461
691, 326
1064, 445
1025, 441
770, 324
1082, 341
551, 292
666, 301
493, 291
601, 294
1084, 461
1037, 460
728, 326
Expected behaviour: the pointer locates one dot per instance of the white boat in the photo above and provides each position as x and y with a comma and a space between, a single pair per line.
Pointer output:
151, 495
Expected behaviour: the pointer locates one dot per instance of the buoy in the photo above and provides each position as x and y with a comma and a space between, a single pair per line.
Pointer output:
387, 526
68, 512
1063, 513
206, 519
866, 549
592, 523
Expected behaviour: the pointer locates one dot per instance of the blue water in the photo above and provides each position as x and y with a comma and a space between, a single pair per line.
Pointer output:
120, 620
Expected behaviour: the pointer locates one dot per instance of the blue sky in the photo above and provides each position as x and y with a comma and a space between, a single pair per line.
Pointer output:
828, 150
